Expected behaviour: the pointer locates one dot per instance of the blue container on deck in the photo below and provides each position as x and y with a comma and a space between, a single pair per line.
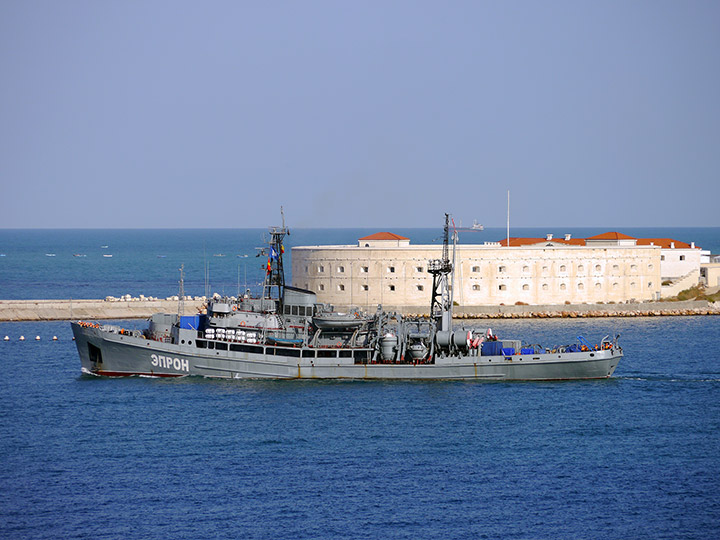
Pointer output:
527, 350
491, 348
190, 322
508, 351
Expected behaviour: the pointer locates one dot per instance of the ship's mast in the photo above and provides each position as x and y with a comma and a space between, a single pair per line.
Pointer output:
275, 273
440, 302
181, 298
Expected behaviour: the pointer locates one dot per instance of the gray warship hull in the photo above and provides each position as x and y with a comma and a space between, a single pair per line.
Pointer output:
286, 334
104, 351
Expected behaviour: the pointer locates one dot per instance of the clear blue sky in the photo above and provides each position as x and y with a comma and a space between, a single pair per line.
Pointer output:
381, 113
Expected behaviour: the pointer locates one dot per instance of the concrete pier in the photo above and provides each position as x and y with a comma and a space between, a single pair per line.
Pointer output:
141, 308
58, 310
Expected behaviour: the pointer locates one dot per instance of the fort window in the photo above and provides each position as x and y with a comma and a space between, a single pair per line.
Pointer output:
391, 269
321, 287
633, 267
581, 268
341, 269
616, 267
580, 286
545, 287
364, 287
476, 287
545, 269
321, 268
682, 257
391, 287
341, 287
419, 269
616, 286
420, 288
598, 286
562, 267
526, 287
526, 269
650, 266
662, 257
502, 269
475, 268
307, 269
633, 285
649, 284
502, 287
364, 269
597, 268
563, 286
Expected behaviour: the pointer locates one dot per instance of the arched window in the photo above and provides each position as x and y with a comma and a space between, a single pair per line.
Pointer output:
526, 287
476, 287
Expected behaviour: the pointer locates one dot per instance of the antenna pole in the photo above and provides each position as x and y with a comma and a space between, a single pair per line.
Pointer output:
181, 300
508, 220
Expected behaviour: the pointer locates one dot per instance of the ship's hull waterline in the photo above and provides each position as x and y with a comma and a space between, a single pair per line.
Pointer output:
111, 354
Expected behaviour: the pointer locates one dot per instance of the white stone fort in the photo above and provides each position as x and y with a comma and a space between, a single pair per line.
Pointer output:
384, 268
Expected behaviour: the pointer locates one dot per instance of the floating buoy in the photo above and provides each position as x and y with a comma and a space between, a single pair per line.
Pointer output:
7, 338
37, 338
22, 338
54, 338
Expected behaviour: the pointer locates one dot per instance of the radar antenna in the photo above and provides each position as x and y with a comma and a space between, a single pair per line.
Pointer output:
440, 303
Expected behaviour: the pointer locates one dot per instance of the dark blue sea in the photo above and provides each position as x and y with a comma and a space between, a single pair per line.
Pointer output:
636, 456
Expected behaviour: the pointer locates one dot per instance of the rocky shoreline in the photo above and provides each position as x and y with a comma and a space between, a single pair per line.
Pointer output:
128, 307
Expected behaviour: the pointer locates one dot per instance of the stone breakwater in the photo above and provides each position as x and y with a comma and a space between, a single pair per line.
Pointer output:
576, 311
590, 314
125, 307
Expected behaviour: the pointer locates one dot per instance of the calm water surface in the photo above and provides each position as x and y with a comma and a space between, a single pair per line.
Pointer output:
636, 456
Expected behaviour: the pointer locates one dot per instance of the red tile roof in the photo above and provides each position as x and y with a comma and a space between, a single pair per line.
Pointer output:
663, 243
517, 241
384, 236
611, 236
